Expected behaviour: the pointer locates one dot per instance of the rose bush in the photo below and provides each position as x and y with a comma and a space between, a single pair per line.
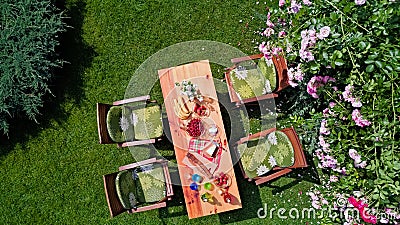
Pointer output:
344, 63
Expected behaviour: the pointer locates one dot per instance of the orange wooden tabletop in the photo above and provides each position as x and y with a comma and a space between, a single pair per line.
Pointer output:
198, 73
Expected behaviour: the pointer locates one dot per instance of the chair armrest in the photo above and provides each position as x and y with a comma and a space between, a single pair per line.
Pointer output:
229, 69
141, 163
245, 58
130, 100
167, 176
134, 143
256, 135
273, 176
148, 207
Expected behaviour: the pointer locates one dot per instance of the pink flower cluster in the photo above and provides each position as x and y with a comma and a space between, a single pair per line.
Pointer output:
269, 23
357, 117
327, 112
269, 30
309, 39
357, 159
317, 200
333, 178
316, 82
295, 74
359, 2
324, 32
361, 207
268, 50
323, 129
391, 214
326, 160
348, 96
294, 7
265, 47
295, 4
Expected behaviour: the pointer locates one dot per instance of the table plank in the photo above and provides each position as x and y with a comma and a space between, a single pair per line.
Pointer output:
200, 74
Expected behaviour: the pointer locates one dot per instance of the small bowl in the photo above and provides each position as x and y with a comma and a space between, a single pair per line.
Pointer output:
218, 182
201, 109
200, 124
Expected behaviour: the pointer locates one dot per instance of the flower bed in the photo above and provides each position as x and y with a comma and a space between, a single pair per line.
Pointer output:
343, 59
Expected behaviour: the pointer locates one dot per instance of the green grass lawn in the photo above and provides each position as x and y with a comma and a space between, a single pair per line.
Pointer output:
51, 172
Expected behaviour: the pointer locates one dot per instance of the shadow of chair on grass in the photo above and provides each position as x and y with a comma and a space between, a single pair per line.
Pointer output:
309, 174
176, 207
66, 84
250, 198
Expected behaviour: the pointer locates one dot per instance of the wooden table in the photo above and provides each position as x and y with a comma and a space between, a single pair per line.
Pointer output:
198, 73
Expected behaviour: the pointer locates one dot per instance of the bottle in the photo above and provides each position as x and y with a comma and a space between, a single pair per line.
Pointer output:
207, 197
227, 197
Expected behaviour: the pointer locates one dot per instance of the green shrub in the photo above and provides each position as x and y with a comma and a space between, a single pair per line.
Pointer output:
28, 37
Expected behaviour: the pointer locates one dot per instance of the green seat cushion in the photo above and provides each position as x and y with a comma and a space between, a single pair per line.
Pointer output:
251, 81
267, 68
152, 182
125, 123
129, 129
126, 187
114, 121
261, 155
282, 151
147, 122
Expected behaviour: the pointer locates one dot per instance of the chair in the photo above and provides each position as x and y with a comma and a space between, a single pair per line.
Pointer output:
127, 123
270, 154
248, 81
138, 187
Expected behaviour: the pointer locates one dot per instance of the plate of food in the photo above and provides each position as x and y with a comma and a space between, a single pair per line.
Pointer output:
183, 108
222, 180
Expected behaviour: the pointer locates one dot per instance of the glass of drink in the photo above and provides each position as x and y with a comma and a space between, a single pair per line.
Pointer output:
193, 186
197, 178
207, 197
208, 186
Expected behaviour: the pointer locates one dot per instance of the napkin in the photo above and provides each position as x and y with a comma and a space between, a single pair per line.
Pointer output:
196, 169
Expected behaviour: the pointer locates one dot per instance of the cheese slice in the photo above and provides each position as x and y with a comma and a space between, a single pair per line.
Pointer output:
211, 150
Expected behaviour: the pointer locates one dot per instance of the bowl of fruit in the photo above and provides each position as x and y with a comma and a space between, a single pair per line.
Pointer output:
223, 180
195, 127
183, 108
201, 109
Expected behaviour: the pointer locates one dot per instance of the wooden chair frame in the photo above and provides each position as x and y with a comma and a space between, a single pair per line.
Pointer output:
115, 206
102, 110
299, 157
282, 81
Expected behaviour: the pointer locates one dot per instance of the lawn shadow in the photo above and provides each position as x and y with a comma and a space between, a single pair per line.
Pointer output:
250, 198
75, 51
309, 174
176, 207
276, 189
65, 86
